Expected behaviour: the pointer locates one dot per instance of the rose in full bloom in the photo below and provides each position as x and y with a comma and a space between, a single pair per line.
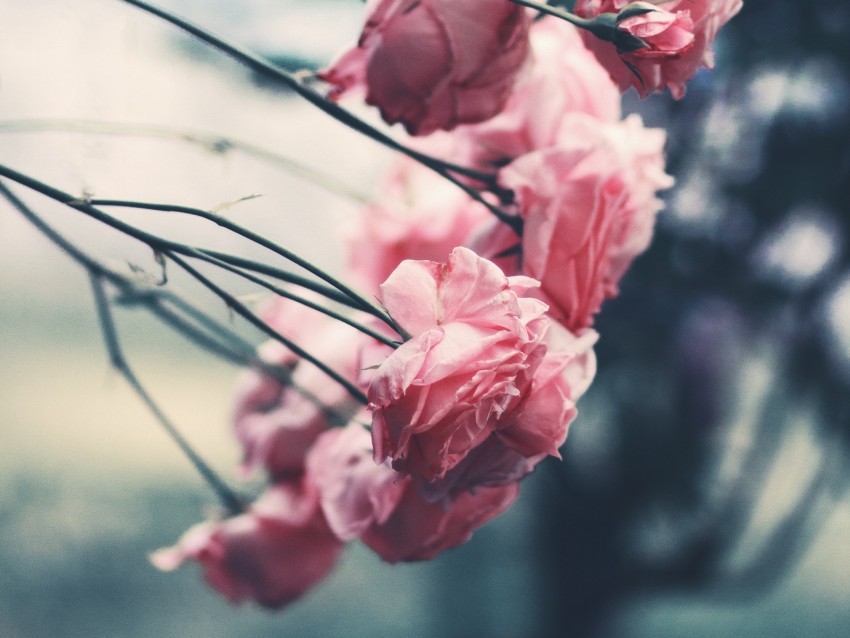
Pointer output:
534, 426
475, 340
672, 57
419, 215
276, 423
385, 509
434, 64
271, 554
589, 206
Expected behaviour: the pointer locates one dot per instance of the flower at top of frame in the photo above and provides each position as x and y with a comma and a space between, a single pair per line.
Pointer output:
679, 35
434, 64
562, 77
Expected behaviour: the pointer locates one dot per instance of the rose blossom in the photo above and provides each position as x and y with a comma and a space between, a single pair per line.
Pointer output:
434, 64
589, 207
563, 77
276, 423
385, 509
534, 426
474, 339
272, 554
666, 33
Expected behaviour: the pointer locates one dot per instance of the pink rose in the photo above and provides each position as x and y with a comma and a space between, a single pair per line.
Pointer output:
589, 205
667, 35
671, 60
473, 341
534, 426
271, 554
563, 77
434, 64
276, 423
420, 530
385, 509
355, 492
419, 216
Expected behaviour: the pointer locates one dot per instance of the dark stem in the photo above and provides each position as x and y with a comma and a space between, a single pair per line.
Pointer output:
554, 11
227, 497
361, 301
297, 84
243, 311
226, 343
283, 275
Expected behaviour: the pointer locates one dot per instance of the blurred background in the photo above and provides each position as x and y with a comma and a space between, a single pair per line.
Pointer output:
704, 486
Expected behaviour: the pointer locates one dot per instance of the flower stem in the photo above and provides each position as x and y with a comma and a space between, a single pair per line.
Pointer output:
227, 496
296, 82
573, 19
243, 311
359, 300
171, 250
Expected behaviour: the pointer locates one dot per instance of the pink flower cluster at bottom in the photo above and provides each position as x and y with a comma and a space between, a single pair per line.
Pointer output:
483, 390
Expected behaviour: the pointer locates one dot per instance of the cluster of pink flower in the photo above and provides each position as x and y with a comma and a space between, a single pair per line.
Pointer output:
496, 317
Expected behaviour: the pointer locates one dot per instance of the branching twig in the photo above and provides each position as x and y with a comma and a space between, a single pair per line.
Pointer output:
227, 496
361, 302
162, 245
214, 337
210, 141
243, 311
297, 84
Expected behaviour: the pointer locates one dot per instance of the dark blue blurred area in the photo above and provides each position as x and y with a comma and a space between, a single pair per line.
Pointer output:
748, 264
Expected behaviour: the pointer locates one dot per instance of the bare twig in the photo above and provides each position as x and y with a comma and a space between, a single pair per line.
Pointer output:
227, 496
296, 83
212, 142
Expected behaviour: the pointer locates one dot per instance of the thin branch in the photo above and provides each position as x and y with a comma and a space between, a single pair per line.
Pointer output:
361, 301
296, 83
227, 496
283, 275
164, 245
210, 141
243, 311
305, 302
224, 342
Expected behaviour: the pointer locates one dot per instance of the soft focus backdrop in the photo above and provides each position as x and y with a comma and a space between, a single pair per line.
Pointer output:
703, 491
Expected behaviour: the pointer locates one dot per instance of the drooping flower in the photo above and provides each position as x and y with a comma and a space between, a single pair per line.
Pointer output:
672, 57
534, 426
276, 422
373, 502
474, 341
589, 206
434, 64
272, 554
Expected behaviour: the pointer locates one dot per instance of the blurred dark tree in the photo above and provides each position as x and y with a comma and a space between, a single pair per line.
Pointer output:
747, 266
